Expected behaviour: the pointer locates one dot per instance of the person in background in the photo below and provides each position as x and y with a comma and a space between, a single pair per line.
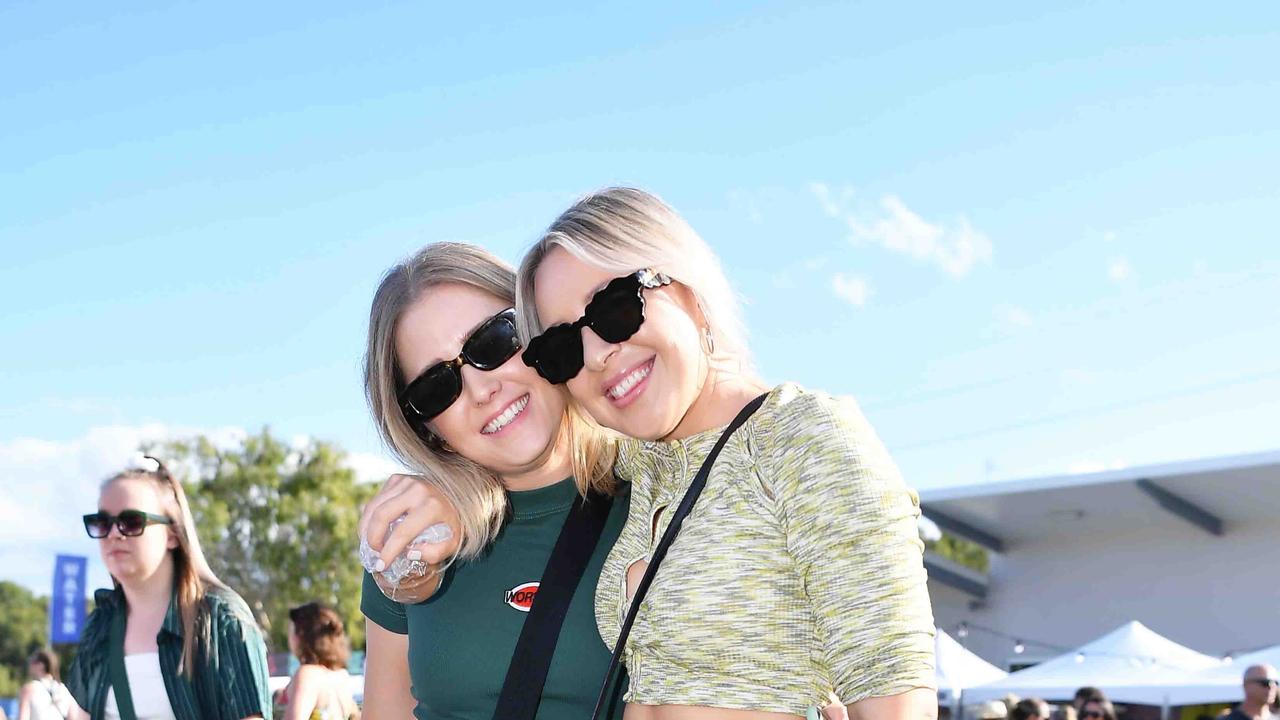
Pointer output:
1065, 712
320, 689
1088, 692
1097, 707
183, 645
44, 697
1030, 709
1260, 693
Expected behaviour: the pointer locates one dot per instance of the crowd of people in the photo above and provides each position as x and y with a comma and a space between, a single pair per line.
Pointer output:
570, 428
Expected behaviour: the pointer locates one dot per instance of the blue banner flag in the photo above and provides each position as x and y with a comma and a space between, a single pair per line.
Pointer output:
66, 613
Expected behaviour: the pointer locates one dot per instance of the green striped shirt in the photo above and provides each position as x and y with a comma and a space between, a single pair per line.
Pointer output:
229, 681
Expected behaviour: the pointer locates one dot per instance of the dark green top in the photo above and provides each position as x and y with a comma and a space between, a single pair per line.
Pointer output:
461, 640
229, 681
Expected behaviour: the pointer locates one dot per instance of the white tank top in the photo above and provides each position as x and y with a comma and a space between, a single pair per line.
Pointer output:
146, 687
50, 700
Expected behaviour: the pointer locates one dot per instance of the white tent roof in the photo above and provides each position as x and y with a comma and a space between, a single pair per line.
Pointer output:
958, 669
1222, 682
1132, 664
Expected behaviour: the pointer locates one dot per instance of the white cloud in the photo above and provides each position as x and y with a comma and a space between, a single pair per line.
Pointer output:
1119, 270
853, 290
954, 248
45, 486
1109, 236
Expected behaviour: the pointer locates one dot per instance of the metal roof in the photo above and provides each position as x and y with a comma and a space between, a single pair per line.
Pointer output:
1208, 494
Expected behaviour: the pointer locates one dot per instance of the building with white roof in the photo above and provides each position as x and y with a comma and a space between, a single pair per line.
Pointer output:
1189, 549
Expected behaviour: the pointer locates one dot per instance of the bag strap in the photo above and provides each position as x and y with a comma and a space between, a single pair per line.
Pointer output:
531, 660
659, 552
115, 666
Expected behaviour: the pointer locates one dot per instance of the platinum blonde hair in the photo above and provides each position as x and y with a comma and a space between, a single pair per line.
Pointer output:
475, 491
625, 229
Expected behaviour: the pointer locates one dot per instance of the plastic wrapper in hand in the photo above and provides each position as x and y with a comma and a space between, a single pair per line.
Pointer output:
402, 567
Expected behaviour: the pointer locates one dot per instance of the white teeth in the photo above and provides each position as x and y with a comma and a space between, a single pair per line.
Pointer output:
629, 382
507, 416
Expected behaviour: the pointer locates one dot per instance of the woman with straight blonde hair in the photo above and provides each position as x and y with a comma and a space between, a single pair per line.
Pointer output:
798, 575
496, 457
170, 640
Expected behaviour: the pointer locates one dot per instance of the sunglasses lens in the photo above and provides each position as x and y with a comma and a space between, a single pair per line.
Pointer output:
617, 312
433, 392
493, 343
556, 354
132, 523
98, 525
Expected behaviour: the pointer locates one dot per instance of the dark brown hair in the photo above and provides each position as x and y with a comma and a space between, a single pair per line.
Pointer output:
321, 637
48, 659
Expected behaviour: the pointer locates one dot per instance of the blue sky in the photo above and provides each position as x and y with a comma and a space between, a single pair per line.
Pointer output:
1031, 238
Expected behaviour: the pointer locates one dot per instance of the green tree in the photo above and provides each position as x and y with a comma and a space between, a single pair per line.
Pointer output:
278, 524
961, 551
24, 628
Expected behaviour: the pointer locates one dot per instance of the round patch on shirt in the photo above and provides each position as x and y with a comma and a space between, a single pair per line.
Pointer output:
521, 596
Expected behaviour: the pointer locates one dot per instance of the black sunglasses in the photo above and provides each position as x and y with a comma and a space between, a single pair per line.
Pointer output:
487, 348
130, 523
1266, 682
614, 314
1091, 714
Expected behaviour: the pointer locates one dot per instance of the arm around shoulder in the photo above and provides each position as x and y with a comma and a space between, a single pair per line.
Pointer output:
851, 525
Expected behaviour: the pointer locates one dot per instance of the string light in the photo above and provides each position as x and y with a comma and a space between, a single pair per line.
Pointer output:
962, 632
1018, 647
1079, 657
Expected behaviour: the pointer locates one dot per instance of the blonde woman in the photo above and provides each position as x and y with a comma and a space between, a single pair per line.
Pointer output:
170, 640
498, 457
799, 571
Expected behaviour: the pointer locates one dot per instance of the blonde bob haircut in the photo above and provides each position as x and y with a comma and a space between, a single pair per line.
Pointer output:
624, 229
476, 492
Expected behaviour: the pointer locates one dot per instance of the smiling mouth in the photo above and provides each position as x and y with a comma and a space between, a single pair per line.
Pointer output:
632, 379
506, 416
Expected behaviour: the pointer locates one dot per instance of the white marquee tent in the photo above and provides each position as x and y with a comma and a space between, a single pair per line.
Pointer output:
958, 669
1220, 683
1132, 664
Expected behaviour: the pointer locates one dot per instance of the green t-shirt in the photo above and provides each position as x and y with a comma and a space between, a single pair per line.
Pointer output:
461, 640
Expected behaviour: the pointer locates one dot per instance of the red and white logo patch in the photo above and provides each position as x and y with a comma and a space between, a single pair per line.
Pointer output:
521, 596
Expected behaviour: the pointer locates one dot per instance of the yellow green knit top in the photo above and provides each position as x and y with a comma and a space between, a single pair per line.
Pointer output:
799, 571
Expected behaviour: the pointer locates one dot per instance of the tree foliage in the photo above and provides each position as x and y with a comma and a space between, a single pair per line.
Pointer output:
24, 628
278, 525
962, 552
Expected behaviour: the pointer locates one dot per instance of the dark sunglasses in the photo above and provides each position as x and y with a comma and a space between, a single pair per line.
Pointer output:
614, 315
487, 348
1091, 714
1266, 682
130, 523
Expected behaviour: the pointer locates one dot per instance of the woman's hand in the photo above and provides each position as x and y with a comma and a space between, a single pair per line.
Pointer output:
422, 506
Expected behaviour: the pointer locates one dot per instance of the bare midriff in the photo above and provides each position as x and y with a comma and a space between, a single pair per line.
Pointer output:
688, 712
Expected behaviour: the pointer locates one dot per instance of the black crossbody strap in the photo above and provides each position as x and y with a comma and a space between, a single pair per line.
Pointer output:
115, 665
659, 552
522, 688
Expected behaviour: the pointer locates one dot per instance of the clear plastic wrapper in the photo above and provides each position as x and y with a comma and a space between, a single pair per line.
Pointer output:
402, 567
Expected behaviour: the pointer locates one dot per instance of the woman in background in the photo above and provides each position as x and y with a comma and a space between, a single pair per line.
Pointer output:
320, 689
44, 697
169, 641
